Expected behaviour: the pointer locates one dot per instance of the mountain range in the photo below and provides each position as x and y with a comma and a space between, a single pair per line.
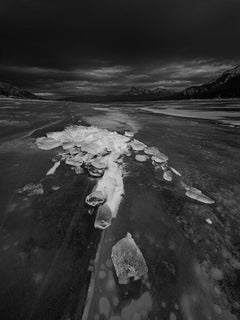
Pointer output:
225, 86
8, 90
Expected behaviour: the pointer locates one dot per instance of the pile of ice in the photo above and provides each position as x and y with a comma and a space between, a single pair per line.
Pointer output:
100, 151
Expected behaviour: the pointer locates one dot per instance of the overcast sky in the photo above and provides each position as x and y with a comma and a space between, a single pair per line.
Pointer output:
68, 47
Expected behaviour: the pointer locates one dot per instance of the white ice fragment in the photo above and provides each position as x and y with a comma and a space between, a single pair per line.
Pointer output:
47, 143
152, 151
137, 145
176, 172
197, 194
129, 134
95, 198
167, 175
53, 169
209, 221
128, 260
98, 163
78, 170
141, 158
160, 157
103, 217
74, 160
111, 184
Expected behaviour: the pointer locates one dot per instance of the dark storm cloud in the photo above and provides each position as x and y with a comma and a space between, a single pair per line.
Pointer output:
114, 43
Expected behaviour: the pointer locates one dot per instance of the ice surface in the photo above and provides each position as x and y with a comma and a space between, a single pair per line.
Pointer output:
128, 260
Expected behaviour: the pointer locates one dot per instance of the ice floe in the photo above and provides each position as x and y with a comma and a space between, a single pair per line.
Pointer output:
167, 175
137, 145
54, 168
103, 217
197, 194
47, 143
128, 260
95, 198
141, 157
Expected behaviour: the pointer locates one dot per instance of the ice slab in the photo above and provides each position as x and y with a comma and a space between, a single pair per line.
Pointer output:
47, 143
103, 217
128, 260
141, 158
197, 194
54, 168
95, 198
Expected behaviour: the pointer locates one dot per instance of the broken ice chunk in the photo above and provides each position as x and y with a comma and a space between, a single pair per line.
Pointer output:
160, 157
141, 158
94, 172
176, 172
137, 145
31, 189
47, 143
209, 221
167, 175
151, 151
128, 260
74, 160
129, 134
78, 170
92, 147
103, 217
53, 169
98, 163
95, 198
197, 194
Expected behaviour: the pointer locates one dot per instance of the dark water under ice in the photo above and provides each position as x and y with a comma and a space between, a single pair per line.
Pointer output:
55, 265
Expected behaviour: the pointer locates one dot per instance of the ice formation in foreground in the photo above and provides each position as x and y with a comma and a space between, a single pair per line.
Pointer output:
128, 260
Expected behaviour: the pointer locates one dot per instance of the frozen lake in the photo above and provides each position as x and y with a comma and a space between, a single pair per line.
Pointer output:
48, 243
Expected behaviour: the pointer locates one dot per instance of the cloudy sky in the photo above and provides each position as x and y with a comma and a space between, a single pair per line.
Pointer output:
74, 47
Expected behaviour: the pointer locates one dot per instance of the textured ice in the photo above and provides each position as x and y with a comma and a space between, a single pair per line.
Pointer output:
128, 260
95, 198
151, 151
160, 157
47, 143
31, 189
103, 217
167, 175
197, 194
137, 145
141, 158
54, 168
